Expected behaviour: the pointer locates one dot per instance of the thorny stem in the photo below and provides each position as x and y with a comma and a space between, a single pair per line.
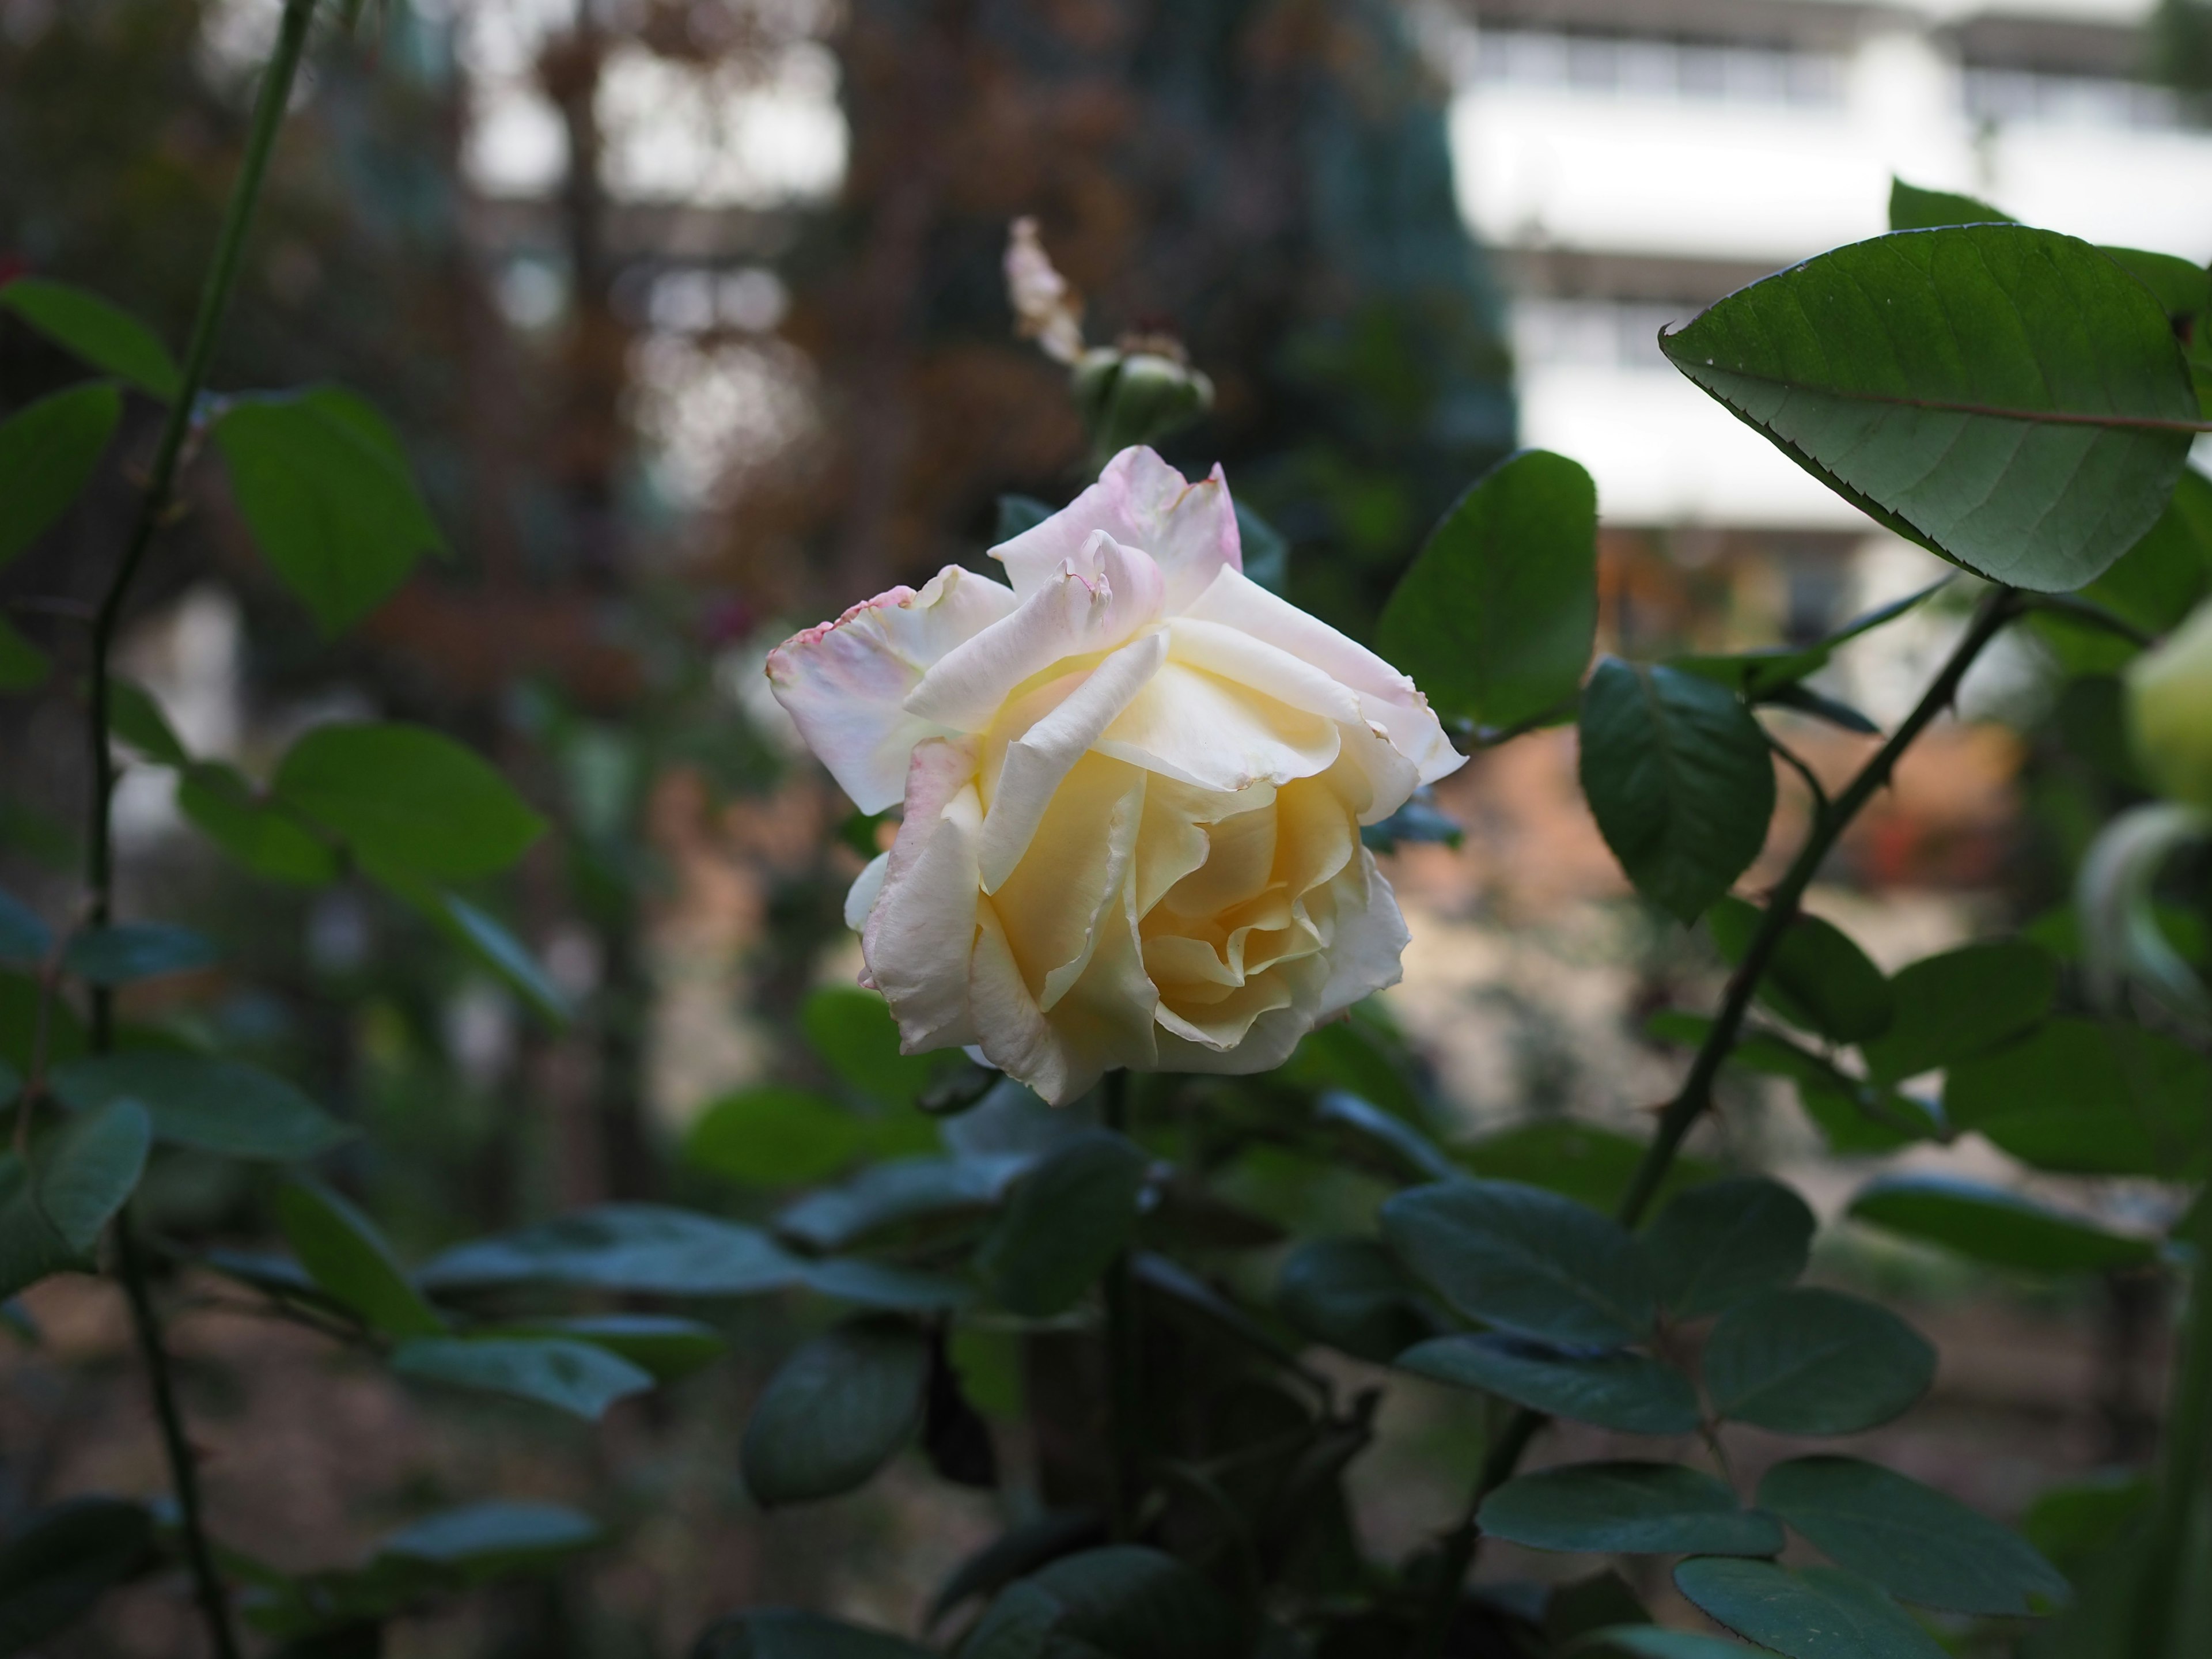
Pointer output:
1695, 1096
269, 103
1125, 1359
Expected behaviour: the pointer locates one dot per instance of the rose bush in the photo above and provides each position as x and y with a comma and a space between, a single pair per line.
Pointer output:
1133, 783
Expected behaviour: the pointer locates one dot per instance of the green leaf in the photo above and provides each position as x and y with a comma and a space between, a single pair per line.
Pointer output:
1623, 1391
835, 1412
24, 936
1818, 1613
135, 717
773, 1135
1064, 1220
1961, 1004
135, 950
409, 799
325, 488
869, 1284
484, 937
53, 1210
1400, 1144
2156, 583
24, 666
1817, 978
1122, 1601
669, 1347
648, 1248
1497, 617
1988, 1224
1814, 1362
1679, 778
1763, 675
579, 1378
1853, 1116
103, 334
2086, 1098
221, 1106
899, 1193
1585, 1162
781, 1633
1652, 1642
264, 836
348, 1258
1984, 391
48, 453
1524, 1260
1361, 1055
1911, 208
1354, 1294
496, 1538
58, 1562
852, 1029
1627, 1509
1915, 1542
1717, 1245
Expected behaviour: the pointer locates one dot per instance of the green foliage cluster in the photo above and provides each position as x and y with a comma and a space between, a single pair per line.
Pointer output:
2016, 400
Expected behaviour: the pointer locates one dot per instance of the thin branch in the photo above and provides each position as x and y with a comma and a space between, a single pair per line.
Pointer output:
1797, 763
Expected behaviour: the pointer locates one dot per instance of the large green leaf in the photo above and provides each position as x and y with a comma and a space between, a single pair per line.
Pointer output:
835, 1412
2156, 583
1524, 1260
1679, 780
48, 453
1817, 977
2088, 1098
1355, 1294
323, 485
223, 1106
1655, 1642
1814, 1362
1914, 1541
773, 1135
1714, 1246
1397, 1141
348, 1258
53, 1209
1021, 1549
2009, 397
1585, 1162
409, 799
1650, 1509
136, 949
782, 1633
579, 1378
1064, 1222
1623, 1391
58, 1562
1988, 1224
1495, 619
1958, 1005
265, 835
1911, 208
495, 1538
899, 1193
648, 1248
1818, 1613
669, 1347
852, 1029
103, 334
1121, 1602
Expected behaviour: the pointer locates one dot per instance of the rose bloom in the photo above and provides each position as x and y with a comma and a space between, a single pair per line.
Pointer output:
1133, 783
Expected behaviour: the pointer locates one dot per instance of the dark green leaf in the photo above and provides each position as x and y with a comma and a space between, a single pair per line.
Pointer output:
1524, 1260
773, 1135
135, 717
577, 1377
409, 799
480, 1542
1915, 1542
1983, 391
1495, 619
2157, 582
1354, 1294
101, 334
1599, 1600
137, 950
648, 1248
1911, 208
1129, 1602
52, 1210
1679, 780
780, 1633
1627, 1509
1990, 1225
895, 1194
1954, 1006
1764, 675
1400, 1144
1713, 1246
483, 937
1362, 1055
1623, 1391
221, 1106
2074, 1524
1020, 1549
852, 1029
59, 1561
1803, 699
325, 488
48, 453
1587, 1163
348, 1258
1652, 1642
24, 936
2086, 1098
669, 1347
1815, 1362
835, 1412
1818, 1613
1817, 977
884, 1284
1064, 1220
264, 836
24, 666
2181, 286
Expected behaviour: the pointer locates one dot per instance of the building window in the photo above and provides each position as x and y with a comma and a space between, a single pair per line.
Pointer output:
2039, 96
1618, 65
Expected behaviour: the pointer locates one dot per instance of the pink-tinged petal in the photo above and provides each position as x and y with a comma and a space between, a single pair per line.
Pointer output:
1199, 729
1387, 698
1035, 762
845, 683
1189, 528
1094, 603
920, 931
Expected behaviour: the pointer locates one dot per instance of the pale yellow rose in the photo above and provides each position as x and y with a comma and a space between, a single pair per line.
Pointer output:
1133, 783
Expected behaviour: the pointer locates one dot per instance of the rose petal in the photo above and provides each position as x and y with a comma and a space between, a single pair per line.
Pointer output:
1368, 938
860, 896
1190, 529
1054, 902
1202, 730
920, 932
